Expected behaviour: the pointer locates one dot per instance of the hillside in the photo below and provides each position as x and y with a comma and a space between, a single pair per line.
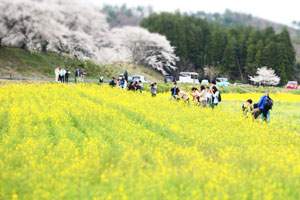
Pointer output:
124, 16
39, 64
233, 19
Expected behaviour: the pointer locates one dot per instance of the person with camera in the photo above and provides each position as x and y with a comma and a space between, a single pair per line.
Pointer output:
265, 104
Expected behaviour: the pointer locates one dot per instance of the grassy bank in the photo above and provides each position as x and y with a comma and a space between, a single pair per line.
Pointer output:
42, 64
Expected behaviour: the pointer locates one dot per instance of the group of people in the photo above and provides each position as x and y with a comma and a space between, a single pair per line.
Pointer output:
206, 96
79, 75
123, 83
262, 108
62, 75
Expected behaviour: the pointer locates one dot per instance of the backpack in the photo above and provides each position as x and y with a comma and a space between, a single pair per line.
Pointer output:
219, 97
268, 104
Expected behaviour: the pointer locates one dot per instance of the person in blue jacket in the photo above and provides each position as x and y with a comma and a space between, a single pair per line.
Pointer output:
262, 109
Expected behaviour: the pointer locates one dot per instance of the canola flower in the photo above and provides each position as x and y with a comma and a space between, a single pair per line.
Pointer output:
278, 97
95, 142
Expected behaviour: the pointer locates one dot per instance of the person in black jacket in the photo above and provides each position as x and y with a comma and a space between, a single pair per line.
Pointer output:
67, 75
126, 75
77, 75
113, 82
174, 90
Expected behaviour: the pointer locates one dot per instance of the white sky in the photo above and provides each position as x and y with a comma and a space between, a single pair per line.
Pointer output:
281, 11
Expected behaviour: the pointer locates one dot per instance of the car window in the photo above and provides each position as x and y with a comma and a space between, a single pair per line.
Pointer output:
183, 74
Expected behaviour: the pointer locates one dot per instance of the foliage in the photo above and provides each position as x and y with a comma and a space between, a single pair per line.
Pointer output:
78, 30
211, 72
238, 51
93, 142
265, 76
119, 16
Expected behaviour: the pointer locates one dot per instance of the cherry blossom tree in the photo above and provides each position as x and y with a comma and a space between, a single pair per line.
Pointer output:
53, 25
81, 31
141, 47
265, 76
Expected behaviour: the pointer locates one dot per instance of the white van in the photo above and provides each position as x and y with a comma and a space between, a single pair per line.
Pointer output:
189, 77
137, 78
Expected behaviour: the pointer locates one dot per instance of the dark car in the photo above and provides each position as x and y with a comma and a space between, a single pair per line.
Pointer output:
169, 79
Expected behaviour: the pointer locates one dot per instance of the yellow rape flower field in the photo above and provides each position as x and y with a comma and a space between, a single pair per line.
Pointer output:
94, 142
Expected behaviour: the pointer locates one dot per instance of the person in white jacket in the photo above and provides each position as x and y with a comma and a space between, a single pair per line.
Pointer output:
56, 74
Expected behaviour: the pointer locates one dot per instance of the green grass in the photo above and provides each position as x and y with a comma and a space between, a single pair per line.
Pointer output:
42, 64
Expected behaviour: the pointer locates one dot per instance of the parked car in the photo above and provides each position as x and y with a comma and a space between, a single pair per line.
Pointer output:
137, 78
222, 82
292, 85
204, 82
169, 79
189, 77
237, 84
121, 76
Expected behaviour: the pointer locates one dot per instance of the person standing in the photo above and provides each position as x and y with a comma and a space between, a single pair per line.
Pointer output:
126, 75
56, 74
59, 75
174, 91
215, 97
202, 97
265, 104
67, 75
82, 75
153, 89
77, 75
208, 96
125, 84
62, 74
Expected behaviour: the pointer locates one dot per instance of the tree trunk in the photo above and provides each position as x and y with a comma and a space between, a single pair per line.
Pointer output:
0, 42
239, 67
